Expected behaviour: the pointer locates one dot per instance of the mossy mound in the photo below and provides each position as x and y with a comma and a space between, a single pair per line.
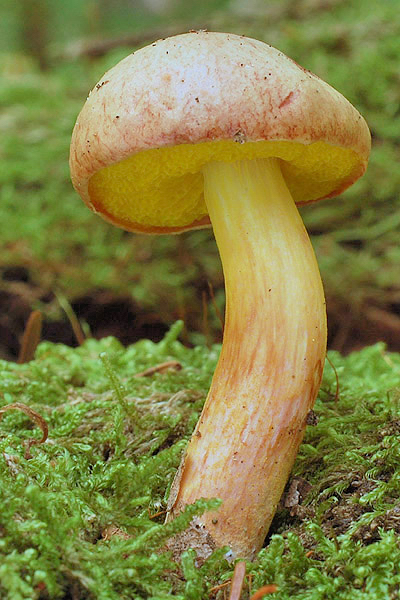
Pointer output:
82, 513
51, 242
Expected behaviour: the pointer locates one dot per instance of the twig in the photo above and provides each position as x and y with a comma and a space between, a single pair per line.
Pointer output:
264, 591
31, 337
221, 586
157, 514
237, 580
169, 365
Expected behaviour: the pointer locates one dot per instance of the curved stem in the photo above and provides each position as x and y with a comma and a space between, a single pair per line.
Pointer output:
272, 356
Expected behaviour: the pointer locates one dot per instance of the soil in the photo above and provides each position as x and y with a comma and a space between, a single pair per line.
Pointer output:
107, 314
104, 313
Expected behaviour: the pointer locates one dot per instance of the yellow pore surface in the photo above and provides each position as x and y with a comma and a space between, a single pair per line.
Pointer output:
163, 187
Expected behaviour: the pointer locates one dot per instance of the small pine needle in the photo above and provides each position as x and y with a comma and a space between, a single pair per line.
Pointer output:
237, 580
31, 337
169, 365
264, 591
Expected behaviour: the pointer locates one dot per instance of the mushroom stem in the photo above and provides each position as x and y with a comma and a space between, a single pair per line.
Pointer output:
271, 361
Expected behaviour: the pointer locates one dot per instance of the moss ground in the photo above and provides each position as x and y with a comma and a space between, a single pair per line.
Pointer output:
51, 243
82, 512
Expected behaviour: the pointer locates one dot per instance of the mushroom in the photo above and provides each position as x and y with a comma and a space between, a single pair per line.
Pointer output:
217, 129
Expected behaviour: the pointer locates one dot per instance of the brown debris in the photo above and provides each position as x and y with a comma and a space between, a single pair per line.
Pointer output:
31, 337
169, 365
295, 494
195, 536
237, 580
113, 531
264, 591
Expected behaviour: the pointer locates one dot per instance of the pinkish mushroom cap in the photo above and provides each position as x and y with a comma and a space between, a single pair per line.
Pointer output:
158, 116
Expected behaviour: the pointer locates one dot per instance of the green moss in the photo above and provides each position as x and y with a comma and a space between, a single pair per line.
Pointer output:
51, 233
76, 518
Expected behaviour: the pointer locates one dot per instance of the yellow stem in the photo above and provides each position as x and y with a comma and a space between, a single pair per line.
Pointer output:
272, 356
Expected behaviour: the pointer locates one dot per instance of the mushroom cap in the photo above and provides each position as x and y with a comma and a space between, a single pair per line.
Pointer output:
159, 115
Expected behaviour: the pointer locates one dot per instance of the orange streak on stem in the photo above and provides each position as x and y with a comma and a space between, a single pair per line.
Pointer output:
271, 361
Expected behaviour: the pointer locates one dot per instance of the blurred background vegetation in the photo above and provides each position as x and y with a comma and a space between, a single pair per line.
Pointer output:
60, 259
